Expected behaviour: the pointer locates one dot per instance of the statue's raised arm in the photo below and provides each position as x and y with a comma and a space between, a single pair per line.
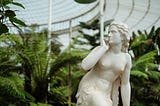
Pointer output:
93, 57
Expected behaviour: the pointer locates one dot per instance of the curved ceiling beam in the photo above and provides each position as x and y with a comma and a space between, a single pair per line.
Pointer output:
153, 23
96, 5
131, 11
77, 27
74, 28
145, 14
117, 9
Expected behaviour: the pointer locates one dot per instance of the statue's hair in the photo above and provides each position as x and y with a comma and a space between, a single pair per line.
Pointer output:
124, 30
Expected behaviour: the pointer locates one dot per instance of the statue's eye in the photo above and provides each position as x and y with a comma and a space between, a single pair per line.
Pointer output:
113, 31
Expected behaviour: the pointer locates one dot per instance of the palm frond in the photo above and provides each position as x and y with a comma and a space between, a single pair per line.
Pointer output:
154, 75
138, 73
137, 43
145, 59
62, 90
64, 59
12, 87
9, 88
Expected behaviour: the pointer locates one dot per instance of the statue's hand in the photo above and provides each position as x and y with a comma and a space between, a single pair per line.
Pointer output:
105, 43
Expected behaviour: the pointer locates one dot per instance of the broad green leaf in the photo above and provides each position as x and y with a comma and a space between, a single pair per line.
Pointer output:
6, 2
85, 1
10, 13
17, 21
18, 4
3, 29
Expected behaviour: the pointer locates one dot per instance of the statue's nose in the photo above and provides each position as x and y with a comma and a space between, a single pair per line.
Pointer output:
109, 35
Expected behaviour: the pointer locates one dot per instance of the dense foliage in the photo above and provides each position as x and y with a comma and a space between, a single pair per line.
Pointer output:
24, 59
8, 16
145, 75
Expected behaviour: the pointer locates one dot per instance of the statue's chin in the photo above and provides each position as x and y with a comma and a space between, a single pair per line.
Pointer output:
114, 43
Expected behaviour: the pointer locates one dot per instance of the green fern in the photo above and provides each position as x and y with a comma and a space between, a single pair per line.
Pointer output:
147, 58
137, 43
9, 88
64, 59
138, 73
145, 77
154, 75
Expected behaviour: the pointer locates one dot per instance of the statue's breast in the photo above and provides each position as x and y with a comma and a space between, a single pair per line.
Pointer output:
112, 62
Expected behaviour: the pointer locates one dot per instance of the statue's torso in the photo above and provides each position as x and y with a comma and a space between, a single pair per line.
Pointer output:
101, 77
110, 66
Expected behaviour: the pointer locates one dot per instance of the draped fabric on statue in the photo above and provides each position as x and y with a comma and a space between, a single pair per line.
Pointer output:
115, 91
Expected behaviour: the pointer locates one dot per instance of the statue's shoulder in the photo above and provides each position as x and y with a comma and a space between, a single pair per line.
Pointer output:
128, 57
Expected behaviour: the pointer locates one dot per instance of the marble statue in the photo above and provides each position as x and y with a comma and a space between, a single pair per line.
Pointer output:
109, 66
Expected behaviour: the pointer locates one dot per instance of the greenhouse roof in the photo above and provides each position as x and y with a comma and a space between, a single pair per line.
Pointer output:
138, 14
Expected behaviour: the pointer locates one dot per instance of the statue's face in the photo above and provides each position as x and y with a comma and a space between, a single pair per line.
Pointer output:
114, 35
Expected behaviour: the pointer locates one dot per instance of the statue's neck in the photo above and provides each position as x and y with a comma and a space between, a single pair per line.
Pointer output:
116, 48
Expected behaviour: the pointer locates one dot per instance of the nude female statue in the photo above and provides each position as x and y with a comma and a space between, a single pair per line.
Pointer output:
109, 66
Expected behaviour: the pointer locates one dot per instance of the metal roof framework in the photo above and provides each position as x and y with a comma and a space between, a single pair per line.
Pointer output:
138, 14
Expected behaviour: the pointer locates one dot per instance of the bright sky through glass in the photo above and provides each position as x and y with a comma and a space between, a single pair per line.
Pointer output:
138, 14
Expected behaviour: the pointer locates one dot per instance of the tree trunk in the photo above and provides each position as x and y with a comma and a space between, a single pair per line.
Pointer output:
41, 91
27, 85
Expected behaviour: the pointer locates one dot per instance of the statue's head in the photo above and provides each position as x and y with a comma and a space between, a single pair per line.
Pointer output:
123, 30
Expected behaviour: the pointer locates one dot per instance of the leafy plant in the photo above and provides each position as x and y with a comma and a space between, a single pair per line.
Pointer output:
8, 15
11, 84
85, 1
145, 77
